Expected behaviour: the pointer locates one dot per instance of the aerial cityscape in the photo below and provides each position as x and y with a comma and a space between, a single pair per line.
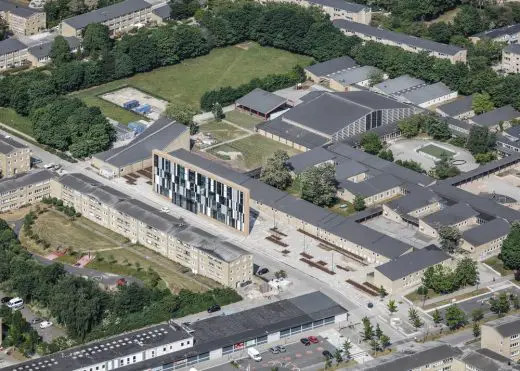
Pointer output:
259, 185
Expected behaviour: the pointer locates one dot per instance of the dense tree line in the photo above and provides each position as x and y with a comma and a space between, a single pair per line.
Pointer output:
444, 280
19, 333
86, 311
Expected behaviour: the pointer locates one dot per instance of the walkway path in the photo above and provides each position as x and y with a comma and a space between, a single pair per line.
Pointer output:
227, 142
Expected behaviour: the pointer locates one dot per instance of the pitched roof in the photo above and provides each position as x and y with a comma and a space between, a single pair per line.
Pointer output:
304, 160
104, 14
400, 83
21, 11
331, 66
353, 75
371, 186
44, 49
506, 326
8, 145
261, 101
163, 11
492, 118
292, 133
11, 45
426, 93
461, 105
24, 179
412, 262
343, 5
499, 32
512, 48
450, 215
484, 362
487, 232
416, 199
396, 37
157, 136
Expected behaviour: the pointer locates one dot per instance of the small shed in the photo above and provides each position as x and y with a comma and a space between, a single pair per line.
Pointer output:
261, 103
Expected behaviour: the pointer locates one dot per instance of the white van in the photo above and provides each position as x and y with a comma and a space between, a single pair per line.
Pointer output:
15, 304
254, 354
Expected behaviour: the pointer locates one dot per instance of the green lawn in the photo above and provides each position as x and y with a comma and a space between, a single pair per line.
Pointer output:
220, 131
498, 265
187, 81
243, 119
90, 97
435, 151
254, 149
9, 117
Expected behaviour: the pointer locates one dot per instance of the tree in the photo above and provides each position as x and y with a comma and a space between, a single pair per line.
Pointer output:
276, 171
515, 300
60, 51
378, 332
468, 21
511, 248
384, 341
368, 330
481, 103
410, 126
386, 155
374, 344
412, 165
181, 112
437, 129
484, 158
382, 292
217, 111
476, 329
182, 9
96, 40
480, 140
347, 346
280, 274
375, 77
436, 316
477, 314
444, 168
414, 318
392, 306
318, 185
466, 273
455, 317
328, 363
450, 237
500, 305
371, 143
337, 355
359, 203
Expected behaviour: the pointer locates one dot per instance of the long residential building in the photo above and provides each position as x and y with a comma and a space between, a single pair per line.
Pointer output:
24, 189
15, 157
21, 20
119, 18
502, 336
202, 252
13, 53
401, 40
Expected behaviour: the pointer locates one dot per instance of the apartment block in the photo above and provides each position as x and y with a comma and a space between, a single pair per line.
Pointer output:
119, 18
21, 20
485, 240
202, 252
511, 58
13, 53
24, 189
191, 186
502, 336
409, 43
15, 157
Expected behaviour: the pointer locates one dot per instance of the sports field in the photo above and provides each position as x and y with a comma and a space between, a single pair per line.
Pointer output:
435, 151
189, 80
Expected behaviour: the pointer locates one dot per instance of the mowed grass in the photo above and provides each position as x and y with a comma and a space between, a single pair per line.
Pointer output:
190, 79
255, 151
243, 119
220, 131
9, 117
498, 265
435, 151
111, 110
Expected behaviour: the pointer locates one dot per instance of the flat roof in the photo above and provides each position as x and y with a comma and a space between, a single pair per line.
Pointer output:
261, 101
400, 83
156, 136
292, 133
426, 93
104, 14
491, 118
450, 215
371, 186
331, 66
11, 45
463, 104
412, 262
397, 37
487, 232
24, 179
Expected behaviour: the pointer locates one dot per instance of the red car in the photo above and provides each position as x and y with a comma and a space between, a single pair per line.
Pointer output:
121, 282
313, 339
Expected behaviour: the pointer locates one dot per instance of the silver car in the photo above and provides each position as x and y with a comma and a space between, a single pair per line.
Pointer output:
274, 350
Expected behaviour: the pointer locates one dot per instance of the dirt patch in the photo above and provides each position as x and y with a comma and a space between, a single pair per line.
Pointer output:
244, 46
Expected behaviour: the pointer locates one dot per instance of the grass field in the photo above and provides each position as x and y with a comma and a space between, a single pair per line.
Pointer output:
498, 265
187, 81
255, 151
242, 119
9, 117
220, 131
435, 151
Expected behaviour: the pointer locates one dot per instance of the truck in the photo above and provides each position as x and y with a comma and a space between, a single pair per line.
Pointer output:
254, 354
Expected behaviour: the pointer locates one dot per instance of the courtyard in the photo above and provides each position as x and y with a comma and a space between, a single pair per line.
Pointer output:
400, 231
427, 152
503, 188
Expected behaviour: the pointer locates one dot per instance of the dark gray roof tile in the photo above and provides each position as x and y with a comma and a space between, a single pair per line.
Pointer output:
487, 232
261, 101
331, 66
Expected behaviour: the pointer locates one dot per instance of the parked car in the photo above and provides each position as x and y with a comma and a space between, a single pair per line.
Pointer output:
45, 324
327, 354
36, 320
281, 348
274, 350
15, 304
121, 282
214, 308
305, 341
262, 271
254, 354
313, 339
165, 209
5, 299
370, 305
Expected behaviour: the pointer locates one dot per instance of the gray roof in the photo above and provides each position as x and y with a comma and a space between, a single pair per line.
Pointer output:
343, 5
483, 362
450, 215
487, 232
353, 75
157, 136
331, 66
512, 48
293, 133
372, 186
400, 83
349, 168
397, 37
461, 105
24, 179
11, 45
412, 262
21, 11
426, 93
43, 50
499, 32
514, 131
304, 160
104, 14
506, 326
413, 201
8, 145
163, 11
482, 170
261, 101
492, 118
93, 188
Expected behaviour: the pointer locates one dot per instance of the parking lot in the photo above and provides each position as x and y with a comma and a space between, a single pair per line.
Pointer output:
297, 356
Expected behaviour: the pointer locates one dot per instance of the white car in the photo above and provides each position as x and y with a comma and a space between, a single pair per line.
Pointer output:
45, 324
165, 209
